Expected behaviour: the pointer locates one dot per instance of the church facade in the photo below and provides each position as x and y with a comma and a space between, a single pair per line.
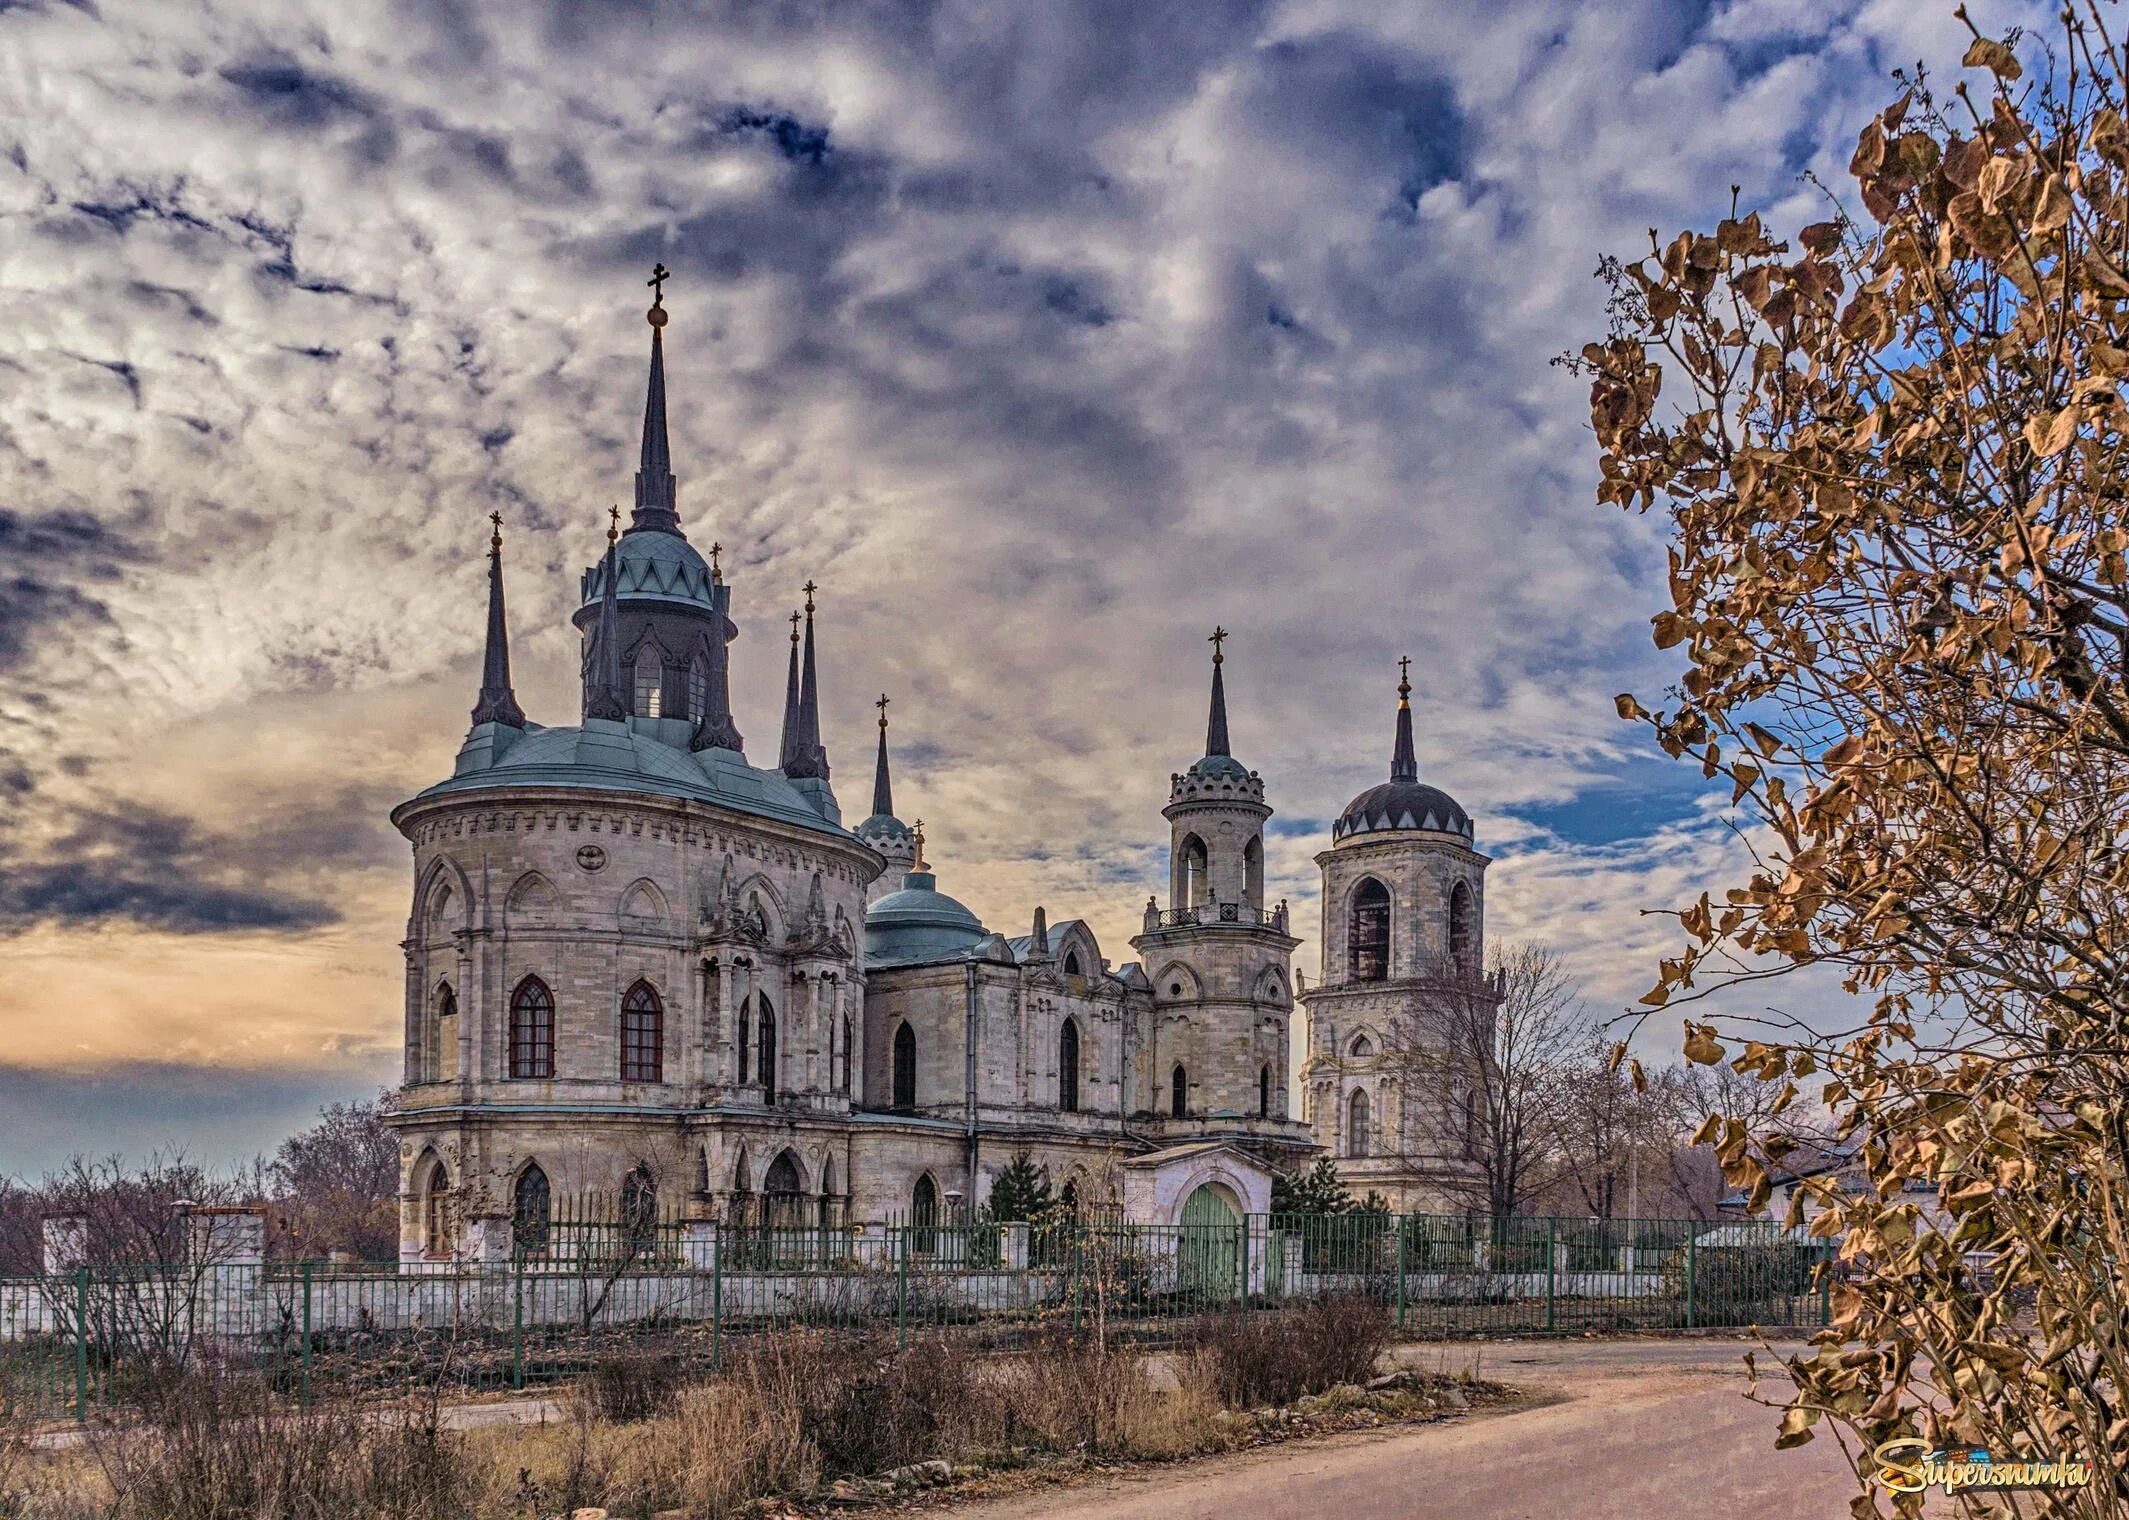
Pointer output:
639, 965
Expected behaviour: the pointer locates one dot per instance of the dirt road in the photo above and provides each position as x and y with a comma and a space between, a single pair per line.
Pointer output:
1629, 1429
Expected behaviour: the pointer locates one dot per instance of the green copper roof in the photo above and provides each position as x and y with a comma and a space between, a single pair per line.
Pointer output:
640, 755
919, 924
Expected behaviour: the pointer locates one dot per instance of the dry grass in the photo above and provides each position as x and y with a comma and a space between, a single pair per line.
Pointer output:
793, 1413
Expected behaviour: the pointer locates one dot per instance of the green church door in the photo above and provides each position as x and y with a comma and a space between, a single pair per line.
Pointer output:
1210, 1248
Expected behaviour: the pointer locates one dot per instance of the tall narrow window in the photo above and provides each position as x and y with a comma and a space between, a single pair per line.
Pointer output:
443, 1066
1462, 931
1263, 1092
434, 1190
746, 1040
650, 684
1253, 873
531, 1205
698, 691
531, 1030
642, 1035
1368, 932
850, 1052
905, 1066
924, 1214
1195, 886
1356, 1124
765, 1048
1068, 1067
1179, 1093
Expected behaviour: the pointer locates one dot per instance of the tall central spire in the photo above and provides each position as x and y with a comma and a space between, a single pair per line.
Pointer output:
882, 790
1404, 763
498, 703
807, 755
1216, 722
656, 491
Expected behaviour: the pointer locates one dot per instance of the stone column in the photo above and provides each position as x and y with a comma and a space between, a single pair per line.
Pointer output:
1016, 1246
701, 1245
469, 1003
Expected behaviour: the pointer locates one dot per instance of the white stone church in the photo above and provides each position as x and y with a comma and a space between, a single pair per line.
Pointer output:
640, 966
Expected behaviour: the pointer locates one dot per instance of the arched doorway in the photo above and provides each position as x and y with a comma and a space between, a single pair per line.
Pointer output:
1210, 1250
432, 1190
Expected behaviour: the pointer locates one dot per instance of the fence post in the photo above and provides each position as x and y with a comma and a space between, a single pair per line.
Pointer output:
901, 1294
1825, 1286
1402, 1221
1242, 1261
517, 1319
1692, 1269
717, 1305
1552, 1270
303, 1396
81, 1343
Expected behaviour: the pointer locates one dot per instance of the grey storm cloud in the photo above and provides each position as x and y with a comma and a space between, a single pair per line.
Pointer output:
1042, 337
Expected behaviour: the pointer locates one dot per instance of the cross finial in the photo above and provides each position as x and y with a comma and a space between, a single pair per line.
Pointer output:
659, 275
613, 525
495, 544
794, 627
809, 588
716, 570
1219, 636
882, 706
916, 833
1404, 675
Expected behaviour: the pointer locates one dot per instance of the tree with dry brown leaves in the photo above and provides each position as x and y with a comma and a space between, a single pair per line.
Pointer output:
1891, 448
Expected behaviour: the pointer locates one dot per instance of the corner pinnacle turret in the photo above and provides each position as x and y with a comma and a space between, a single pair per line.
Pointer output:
497, 703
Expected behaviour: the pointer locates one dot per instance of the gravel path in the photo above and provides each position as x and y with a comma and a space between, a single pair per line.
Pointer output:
1615, 1430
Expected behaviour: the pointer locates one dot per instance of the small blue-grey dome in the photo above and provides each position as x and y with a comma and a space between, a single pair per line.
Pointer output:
919, 923
1220, 768
653, 566
882, 828
1401, 805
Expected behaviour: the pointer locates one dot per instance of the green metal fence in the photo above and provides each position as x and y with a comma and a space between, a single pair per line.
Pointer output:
73, 1339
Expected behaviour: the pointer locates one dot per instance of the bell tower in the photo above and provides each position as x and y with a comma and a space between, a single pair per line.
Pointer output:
1218, 960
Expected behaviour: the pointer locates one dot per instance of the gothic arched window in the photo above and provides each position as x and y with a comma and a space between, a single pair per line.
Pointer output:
698, 691
765, 1046
924, 1214
783, 1191
1194, 874
1068, 1067
1071, 964
1264, 1092
442, 1062
905, 1066
531, 1030
531, 1206
1368, 932
1253, 873
1361, 1048
1179, 1093
639, 1205
433, 1188
1356, 1124
1463, 933
642, 1035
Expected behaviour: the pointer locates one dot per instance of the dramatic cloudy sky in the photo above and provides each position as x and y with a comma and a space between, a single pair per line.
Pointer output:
1043, 337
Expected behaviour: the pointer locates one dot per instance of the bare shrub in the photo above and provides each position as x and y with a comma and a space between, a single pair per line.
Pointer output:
1251, 1359
218, 1447
631, 1385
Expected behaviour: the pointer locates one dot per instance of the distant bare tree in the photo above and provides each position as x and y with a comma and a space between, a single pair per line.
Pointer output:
1618, 1136
1483, 1064
336, 1184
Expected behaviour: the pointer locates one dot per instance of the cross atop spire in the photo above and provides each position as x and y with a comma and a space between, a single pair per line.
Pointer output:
603, 694
716, 570
1404, 761
656, 491
810, 757
809, 588
916, 833
1216, 720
